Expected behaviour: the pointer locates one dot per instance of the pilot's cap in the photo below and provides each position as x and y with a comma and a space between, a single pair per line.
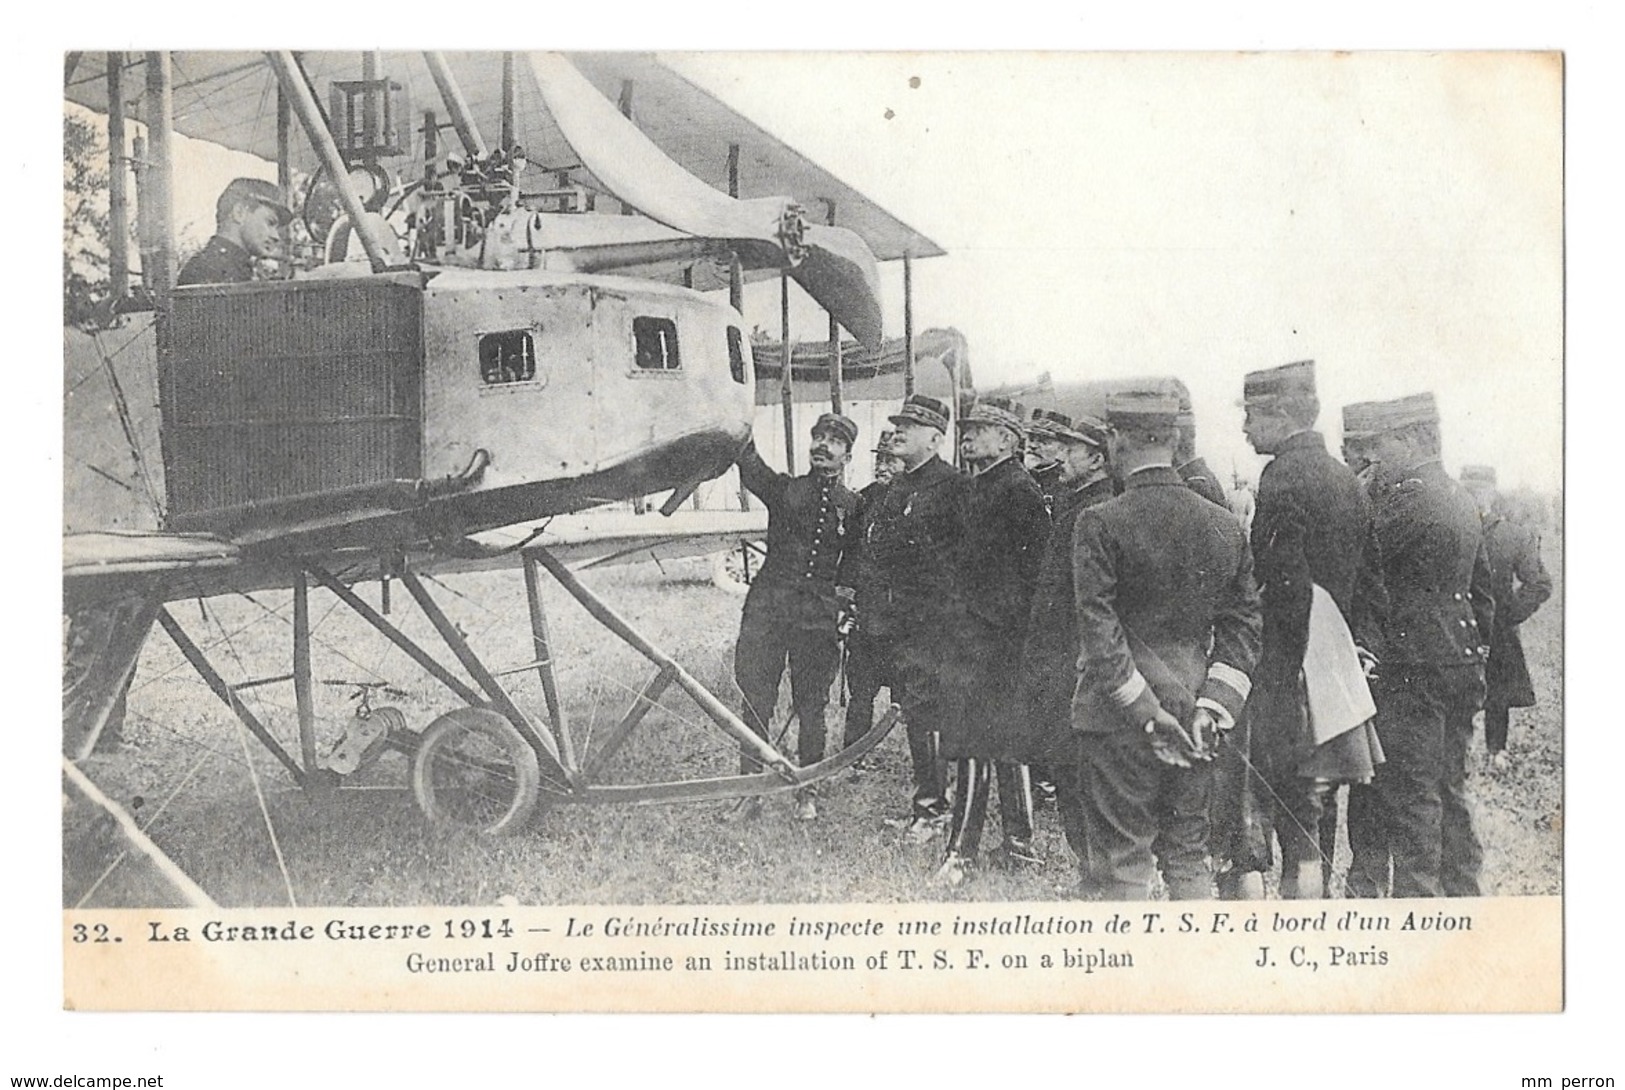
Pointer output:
920, 409
837, 425
255, 190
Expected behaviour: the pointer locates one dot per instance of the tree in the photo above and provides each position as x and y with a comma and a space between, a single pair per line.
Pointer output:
85, 228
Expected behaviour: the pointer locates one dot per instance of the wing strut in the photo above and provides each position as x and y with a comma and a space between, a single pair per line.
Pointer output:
293, 84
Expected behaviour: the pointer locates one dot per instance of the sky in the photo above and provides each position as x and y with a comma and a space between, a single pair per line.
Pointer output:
1395, 217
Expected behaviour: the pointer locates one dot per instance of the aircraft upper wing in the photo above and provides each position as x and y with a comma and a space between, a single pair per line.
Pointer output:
833, 264
229, 98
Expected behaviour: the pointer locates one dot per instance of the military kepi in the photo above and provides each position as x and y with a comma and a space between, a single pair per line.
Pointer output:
920, 409
838, 425
1404, 412
1274, 382
1084, 429
993, 415
1360, 420
1134, 409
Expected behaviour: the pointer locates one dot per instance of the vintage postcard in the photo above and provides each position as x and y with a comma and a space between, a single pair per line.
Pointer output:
434, 640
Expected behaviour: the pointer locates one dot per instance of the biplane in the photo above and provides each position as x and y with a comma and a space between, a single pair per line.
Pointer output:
503, 308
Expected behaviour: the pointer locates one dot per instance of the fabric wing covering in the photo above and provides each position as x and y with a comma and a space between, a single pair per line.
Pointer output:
836, 268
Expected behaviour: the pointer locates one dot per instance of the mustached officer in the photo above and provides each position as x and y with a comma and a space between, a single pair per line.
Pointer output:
1413, 818
1049, 660
870, 654
1311, 527
986, 731
790, 612
913, 538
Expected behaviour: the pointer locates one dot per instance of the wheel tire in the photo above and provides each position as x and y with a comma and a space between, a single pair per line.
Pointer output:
473, 770
730, 571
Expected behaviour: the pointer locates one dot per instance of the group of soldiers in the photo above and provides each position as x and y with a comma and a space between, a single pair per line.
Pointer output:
1080, 613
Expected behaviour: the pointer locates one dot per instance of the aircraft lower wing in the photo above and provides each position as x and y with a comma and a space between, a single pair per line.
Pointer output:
103, 566
834, 265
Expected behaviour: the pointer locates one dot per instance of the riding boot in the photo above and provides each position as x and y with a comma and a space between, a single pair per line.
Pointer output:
1328, 834
969, 814
1301, 881
1016, 813
1241, 885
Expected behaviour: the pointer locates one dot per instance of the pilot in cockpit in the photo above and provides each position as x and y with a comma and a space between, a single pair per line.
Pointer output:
250, 218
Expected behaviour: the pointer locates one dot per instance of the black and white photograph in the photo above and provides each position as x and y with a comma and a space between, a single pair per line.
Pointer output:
693, 531
691, 486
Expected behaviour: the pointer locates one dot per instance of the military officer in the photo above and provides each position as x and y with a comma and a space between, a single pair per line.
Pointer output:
1168, 632
103, 642
791, 609
1413, 817
995, 570
913, 538
1045, 451
869, 645
249, 218
1311, 527
1520, 585
1193, 468
1049, 661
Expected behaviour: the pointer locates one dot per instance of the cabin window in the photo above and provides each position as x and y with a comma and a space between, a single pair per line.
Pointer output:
736, 354
656, 344
509, 356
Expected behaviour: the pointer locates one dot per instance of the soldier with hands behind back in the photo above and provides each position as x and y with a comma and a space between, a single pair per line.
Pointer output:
1168, 632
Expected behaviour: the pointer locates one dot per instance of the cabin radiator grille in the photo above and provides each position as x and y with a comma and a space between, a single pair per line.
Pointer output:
274, 391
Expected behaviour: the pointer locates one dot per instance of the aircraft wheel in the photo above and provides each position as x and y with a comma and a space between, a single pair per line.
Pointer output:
734, 569
473, 770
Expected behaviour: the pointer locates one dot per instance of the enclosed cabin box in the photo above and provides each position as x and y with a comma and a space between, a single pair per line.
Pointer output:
372, 409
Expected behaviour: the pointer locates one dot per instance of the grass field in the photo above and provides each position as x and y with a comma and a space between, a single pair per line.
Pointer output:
211, 797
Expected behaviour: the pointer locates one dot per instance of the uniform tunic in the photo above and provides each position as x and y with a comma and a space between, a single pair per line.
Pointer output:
913, 540
1200, 478
219, 262
996, 570
1049, 660
1167, 614
1414, 816
1520, 585
870, 653
790, 610
1312, 525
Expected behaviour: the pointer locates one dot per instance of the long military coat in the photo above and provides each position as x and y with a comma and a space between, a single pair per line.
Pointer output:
913, 539
1312, 525
1049, 661
868, 580
995, 571
1167, 609
1520, 585
1436, 571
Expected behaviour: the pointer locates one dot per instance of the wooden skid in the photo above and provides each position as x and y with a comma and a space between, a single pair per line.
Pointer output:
724, 788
